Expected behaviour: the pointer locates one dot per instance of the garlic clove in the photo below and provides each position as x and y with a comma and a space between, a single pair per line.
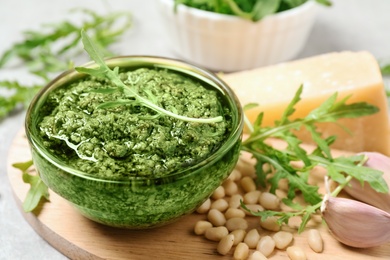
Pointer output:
354, 223
367, 194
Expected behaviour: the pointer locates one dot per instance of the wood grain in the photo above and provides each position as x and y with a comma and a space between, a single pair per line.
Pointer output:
79, 238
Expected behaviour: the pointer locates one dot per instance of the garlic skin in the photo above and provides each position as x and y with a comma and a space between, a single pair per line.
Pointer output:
354, 223
367, 194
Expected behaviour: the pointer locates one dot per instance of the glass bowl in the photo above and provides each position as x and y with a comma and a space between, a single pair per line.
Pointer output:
137, 202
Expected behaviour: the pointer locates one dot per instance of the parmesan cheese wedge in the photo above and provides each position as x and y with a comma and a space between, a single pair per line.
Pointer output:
348, 73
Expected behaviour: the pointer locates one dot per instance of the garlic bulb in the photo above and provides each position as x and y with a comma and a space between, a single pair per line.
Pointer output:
367, 194
354, 223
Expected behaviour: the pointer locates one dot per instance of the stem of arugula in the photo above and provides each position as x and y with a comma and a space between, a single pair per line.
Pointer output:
103, 70
147, 103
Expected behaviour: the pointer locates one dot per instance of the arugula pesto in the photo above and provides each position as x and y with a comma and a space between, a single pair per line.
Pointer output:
135, 140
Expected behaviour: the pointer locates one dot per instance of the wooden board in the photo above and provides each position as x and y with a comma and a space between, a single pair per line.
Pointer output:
79, 238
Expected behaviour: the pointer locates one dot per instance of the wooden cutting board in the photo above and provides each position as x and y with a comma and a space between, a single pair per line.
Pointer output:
79, 238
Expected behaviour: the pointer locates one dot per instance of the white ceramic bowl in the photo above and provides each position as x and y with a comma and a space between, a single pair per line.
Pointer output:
228, 43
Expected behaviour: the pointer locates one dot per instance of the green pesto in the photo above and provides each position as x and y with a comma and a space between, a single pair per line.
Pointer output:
141, 170
116, 142
138, 204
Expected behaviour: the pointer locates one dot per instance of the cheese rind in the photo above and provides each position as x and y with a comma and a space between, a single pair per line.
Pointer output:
349, 73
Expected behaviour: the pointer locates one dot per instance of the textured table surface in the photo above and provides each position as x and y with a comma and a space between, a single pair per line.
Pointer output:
348, 25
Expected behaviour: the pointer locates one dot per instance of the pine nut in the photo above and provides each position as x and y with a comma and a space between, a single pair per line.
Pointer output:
236, 223
220, 204
282, 239
225, 244
252, 238
315, 240
266, 168
253, 208
252, 197
269, 201
219, 193
283, 184
266, 245
241, 252
235, 175
235, 201
216, 233
234, 213
257, 256
216, 217
270, 224
230, 187
248, 184
246, 167
239, 235
296, 253
281, 194
201, 226
205, 207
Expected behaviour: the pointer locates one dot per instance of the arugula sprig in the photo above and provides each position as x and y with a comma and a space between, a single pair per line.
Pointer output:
52, 48
341, 169
18, 94
134, 98
355, 170
38, 190
385, 69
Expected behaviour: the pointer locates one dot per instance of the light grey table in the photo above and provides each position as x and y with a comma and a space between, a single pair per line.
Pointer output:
348, 25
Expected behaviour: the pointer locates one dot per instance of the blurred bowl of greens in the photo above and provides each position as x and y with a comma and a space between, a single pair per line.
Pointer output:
235, 35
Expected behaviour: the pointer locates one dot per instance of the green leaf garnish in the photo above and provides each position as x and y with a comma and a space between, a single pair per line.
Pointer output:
113, 75
18, 95
385, 69
341, 169
250, 106
38, 190
40, 52
51, 49
23, 166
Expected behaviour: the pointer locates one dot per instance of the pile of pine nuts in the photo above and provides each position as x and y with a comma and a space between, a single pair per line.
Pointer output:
227, 223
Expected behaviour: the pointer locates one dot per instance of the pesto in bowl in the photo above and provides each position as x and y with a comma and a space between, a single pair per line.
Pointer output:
126, 165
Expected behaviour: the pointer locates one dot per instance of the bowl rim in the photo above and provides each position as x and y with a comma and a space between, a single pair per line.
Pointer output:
156, 61
292, 12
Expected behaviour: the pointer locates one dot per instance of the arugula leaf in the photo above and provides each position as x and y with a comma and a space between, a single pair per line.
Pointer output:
23, 166
294, 3
40, 50
259, 10
348, 165
284, 217
264, 8
250, 106
324, 2
19, 95
113, 75
341, 169
385, 69
330, 114
290, 108
51, 49
38, 190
